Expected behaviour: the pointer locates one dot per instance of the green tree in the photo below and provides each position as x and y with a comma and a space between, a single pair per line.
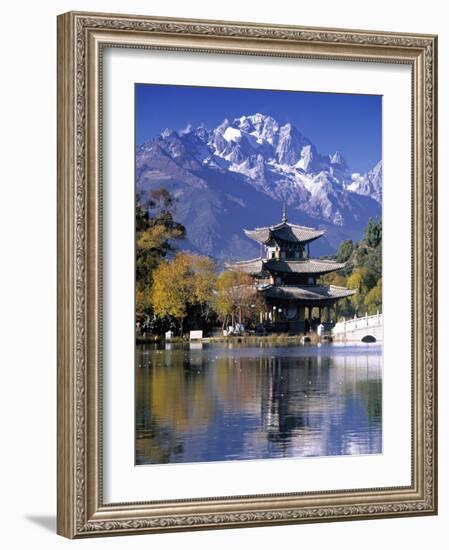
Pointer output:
373, 262
363, 271
373, 233
345, 250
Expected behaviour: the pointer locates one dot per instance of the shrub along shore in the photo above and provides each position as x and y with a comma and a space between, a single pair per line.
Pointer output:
234, 339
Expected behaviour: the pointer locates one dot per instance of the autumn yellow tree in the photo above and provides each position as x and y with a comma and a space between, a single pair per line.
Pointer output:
143, 302
235, 293
334, 278
357, 281
156, 235
187, 280
204, 278
373, 299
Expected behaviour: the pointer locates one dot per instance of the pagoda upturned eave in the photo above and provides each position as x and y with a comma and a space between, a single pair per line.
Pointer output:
309, 266
287, 232
306, 294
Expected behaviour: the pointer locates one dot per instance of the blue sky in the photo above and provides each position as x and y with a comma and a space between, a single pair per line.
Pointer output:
349, 123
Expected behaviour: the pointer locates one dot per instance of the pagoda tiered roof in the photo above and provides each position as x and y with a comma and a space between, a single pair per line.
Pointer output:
284, 231
302, 267
306, 293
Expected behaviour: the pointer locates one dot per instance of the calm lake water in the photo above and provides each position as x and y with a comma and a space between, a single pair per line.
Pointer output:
207, 402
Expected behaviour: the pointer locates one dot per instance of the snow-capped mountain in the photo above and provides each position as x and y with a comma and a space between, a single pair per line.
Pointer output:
238, 174
369, 184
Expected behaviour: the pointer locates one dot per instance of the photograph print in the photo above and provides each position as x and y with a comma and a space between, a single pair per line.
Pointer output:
258, 274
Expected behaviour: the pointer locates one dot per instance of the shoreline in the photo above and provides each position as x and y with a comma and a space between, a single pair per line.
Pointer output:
311, 339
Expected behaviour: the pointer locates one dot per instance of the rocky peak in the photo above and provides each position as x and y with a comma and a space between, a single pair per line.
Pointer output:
290, 144
338, 160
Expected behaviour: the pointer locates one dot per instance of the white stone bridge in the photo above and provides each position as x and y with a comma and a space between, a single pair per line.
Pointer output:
359, 329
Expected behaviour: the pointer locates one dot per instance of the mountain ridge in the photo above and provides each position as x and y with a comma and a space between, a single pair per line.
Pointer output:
239, 173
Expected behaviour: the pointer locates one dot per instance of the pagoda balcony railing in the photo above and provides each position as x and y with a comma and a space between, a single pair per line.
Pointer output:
358, 323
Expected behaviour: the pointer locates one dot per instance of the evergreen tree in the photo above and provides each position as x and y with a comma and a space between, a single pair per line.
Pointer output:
345, 250
373, 233
362, 272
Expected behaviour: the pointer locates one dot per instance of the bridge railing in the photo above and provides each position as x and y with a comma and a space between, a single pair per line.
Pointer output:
358, 323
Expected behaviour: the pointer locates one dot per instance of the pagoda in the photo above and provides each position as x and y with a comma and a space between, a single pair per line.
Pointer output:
288, 278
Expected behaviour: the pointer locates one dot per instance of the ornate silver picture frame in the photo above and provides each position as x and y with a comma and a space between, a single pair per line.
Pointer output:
82, 509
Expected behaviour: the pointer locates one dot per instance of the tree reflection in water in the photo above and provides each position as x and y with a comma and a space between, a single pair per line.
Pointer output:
227, 402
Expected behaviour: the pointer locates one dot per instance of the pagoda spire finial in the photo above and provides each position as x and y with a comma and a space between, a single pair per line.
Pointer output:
284, 213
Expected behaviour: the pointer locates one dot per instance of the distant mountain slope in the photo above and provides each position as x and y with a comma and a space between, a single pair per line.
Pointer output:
237, 175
